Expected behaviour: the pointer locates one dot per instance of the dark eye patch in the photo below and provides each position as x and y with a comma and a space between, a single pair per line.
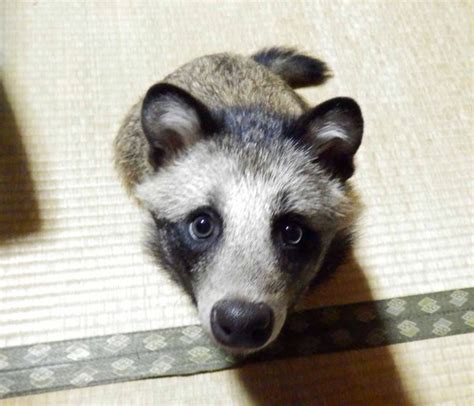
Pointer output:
180, 233
295, 242
172, 246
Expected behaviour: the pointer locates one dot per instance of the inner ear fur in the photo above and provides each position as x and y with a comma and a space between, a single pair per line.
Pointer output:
172, 120
333, 130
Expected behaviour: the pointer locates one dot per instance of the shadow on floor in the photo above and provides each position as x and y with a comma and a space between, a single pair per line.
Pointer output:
367, 376
19, 209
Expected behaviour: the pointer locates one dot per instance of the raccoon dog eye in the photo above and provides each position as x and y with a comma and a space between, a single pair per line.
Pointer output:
201, 227
291, 233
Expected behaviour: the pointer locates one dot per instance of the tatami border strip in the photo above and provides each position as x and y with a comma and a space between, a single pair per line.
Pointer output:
187, 350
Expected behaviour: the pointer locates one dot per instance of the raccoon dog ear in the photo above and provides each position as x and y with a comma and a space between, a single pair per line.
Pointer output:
334, 130
172, 120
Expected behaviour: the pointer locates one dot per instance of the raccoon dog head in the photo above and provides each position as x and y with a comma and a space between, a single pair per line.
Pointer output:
244, 203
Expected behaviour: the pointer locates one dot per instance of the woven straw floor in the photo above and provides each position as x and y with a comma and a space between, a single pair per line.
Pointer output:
71, 263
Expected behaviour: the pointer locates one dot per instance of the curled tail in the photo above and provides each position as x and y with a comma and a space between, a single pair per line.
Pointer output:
296, 69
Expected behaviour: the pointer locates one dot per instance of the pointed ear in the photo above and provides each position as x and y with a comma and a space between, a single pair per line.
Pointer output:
173, 120
334, 129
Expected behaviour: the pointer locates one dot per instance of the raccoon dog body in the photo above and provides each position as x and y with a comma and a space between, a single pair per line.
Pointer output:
245, 185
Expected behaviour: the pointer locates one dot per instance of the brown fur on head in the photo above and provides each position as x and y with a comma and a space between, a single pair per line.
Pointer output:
225, 80
245, 185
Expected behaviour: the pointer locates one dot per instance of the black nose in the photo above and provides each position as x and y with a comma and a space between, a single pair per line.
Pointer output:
236, 323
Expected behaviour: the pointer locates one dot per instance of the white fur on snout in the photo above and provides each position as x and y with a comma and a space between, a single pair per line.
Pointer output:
245, 266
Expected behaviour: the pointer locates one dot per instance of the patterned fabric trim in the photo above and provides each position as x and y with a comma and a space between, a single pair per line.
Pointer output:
187, 350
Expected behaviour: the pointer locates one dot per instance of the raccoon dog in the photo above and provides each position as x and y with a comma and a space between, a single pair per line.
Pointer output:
245, 185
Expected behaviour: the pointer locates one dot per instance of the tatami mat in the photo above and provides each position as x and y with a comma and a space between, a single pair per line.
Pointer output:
71, 264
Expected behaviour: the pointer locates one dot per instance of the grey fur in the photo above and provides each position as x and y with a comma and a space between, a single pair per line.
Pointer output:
250, 172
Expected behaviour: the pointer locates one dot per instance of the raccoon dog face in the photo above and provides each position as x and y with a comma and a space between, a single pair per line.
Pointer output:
244, 204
